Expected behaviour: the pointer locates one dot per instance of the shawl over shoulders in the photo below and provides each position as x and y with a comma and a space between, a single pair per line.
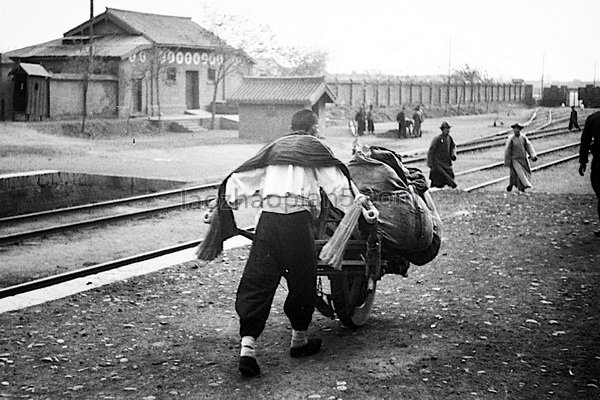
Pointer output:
295, 149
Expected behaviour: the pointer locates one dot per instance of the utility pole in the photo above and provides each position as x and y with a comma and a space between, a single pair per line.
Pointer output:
449, 71
89, 69
542, 83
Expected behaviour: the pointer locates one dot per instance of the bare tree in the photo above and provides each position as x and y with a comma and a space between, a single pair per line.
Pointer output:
85, 64
303, 61
89, 67
235, 42
468, 75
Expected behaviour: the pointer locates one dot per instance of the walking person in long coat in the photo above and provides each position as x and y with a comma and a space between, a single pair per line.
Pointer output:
442, 152
517, 153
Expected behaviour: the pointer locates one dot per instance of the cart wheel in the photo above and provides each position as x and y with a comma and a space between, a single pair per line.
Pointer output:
351, 299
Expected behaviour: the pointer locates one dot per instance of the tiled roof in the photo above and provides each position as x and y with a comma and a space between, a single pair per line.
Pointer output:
104, 46
164, 30
270, 90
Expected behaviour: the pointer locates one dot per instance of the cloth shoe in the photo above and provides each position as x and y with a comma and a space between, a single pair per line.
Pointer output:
311, 347
249, 367
509, 188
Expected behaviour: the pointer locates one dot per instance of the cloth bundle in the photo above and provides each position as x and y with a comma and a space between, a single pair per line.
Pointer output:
408, 223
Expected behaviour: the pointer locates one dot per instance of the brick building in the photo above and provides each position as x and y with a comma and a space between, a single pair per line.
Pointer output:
142, 63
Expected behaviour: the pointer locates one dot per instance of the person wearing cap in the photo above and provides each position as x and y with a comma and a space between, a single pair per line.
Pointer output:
517, 152
290, 175
590, 142
441, 154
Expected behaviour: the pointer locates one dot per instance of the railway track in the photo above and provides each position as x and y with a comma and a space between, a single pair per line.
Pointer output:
542, 132
44, 223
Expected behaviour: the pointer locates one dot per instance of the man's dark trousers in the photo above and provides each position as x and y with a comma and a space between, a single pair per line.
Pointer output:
283, 246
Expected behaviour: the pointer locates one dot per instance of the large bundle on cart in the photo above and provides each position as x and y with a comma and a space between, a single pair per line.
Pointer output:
409, 225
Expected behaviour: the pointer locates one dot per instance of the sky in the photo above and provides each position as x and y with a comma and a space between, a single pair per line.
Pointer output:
553, 40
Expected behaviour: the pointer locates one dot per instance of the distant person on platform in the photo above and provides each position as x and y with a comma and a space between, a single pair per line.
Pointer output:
573, 119
370, 121
590, 142
360, 118
401, 118
418, 120
442, 152
517, 153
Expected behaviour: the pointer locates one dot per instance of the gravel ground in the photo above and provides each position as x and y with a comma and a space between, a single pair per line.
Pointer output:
509, 309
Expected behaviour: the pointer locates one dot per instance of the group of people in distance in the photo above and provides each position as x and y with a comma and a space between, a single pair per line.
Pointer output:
410, 127
365, 120
291, 174
407, 127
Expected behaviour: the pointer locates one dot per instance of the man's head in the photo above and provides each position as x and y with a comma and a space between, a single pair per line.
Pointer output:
517, 128
445, 127
305, 120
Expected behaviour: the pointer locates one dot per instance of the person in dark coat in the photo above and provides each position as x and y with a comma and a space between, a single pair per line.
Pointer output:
590, 142
401, 118
360, 118
442, 152
573, 119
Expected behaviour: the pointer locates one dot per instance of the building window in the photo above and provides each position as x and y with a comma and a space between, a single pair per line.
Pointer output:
212, 74
171, 75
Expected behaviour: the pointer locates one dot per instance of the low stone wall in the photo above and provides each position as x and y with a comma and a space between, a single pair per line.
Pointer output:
46, 190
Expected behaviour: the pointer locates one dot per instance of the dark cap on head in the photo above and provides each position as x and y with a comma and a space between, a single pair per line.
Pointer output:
517, 125
304, 120
445, 125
